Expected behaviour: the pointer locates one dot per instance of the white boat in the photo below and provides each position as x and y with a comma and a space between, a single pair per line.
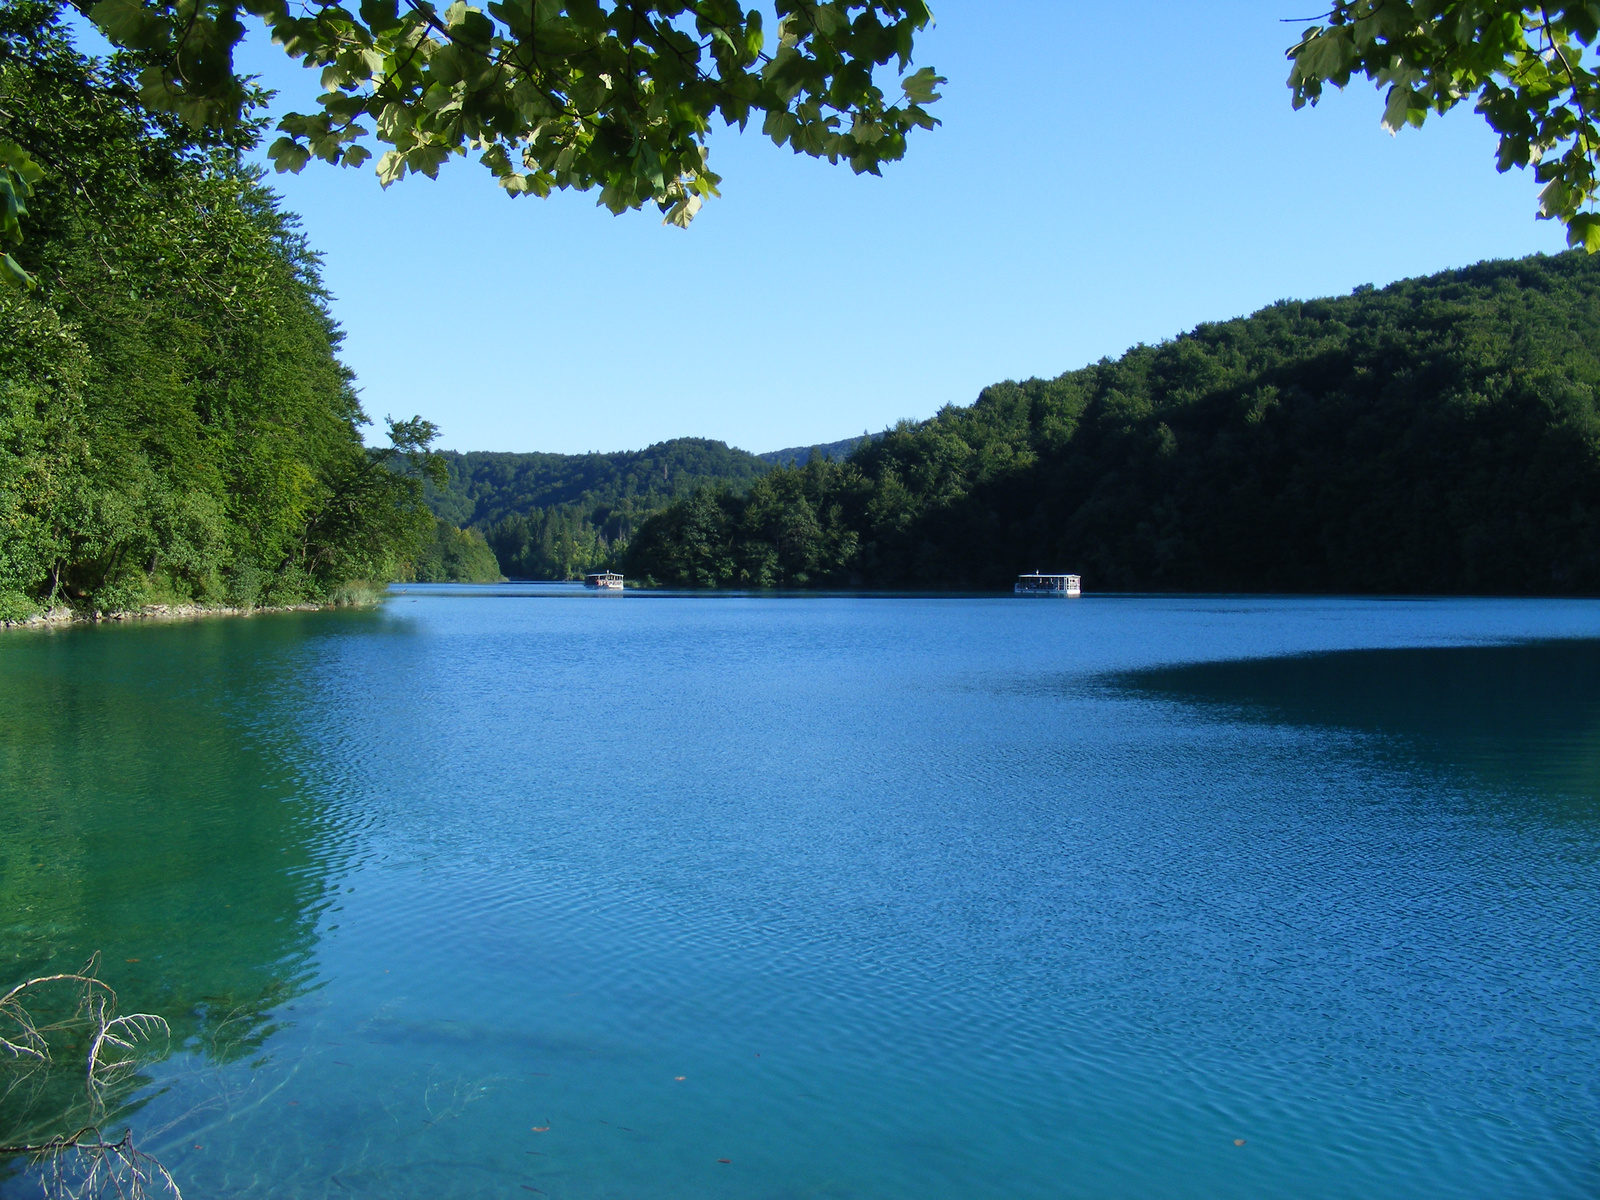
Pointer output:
606, 581
1037, 584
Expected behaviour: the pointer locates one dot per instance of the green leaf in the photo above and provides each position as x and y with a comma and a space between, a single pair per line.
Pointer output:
128, 23
754, 38
1584, 230
1398, 110
288, 156
920, 86
16, 158
391, 167
12, 274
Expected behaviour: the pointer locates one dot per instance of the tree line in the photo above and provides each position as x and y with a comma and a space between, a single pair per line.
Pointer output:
559, 516
1439, 435
175, 423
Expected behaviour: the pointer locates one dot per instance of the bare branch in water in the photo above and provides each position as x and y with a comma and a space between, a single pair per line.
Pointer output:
83, 1165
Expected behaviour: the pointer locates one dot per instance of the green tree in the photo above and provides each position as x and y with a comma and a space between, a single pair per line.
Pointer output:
456, 556
1439, 435
174, 421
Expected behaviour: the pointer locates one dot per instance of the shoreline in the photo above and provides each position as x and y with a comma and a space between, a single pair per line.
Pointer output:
62, 616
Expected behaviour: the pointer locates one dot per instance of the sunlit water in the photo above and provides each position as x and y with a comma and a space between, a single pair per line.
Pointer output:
511, 891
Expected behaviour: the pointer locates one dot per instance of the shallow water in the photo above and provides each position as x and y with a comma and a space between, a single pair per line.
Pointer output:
522, 890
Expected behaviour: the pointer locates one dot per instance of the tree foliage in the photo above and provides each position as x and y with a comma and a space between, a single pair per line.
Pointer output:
1440, 435
792, 528
18, 174
793, 456
454, 556
616, 96
174, 421
1528, 66
487, 486
560, 516
563, 541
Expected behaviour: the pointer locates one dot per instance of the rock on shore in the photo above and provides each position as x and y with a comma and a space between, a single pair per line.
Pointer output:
150, 612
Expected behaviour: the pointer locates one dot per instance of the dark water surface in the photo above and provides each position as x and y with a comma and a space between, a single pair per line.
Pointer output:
919, 897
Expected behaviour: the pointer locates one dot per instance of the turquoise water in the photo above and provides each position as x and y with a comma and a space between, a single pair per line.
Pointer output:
522, 890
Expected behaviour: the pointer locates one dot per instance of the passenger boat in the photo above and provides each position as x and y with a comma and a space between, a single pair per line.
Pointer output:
1048, 585
606, 581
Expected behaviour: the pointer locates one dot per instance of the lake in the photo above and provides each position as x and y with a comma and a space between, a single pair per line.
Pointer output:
521, 890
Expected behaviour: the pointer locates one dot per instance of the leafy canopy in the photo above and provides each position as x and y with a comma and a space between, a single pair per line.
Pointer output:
1525, 64
579, 94
18, 175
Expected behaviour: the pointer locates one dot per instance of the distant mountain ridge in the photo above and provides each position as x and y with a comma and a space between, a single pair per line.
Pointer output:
487, 486
557, 516
796, 456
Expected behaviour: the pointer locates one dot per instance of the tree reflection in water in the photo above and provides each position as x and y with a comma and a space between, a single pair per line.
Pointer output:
157, 811
1523, 717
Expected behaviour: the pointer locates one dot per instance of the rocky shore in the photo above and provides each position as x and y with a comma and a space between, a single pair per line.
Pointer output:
150, 612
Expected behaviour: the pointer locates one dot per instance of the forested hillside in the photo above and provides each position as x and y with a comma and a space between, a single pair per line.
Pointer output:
794, 456
555, 516
455, 556
1439, 435
174, 422
488, 486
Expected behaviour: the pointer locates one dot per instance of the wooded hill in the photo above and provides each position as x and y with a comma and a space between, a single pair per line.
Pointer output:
555, 516
796, 456
486, 486
1439, 435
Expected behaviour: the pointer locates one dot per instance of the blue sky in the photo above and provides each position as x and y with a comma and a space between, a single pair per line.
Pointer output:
1105, 175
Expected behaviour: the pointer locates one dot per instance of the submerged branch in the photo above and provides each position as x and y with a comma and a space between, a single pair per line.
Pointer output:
83, 1164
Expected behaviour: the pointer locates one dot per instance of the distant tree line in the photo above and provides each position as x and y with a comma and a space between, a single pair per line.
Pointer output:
796, 456
175, 424
559, 516
487, 486
453, 556
1439, 435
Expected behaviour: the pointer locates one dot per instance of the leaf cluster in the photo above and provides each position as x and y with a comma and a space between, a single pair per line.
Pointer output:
18, 175
1529, 67
616, 97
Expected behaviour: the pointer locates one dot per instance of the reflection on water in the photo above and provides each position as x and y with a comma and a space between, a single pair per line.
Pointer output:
156, 814
728, 897
1523, 716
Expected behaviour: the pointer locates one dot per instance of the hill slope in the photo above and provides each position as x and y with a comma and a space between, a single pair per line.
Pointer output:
1439, 435
487, 486
555, 516
798, 456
